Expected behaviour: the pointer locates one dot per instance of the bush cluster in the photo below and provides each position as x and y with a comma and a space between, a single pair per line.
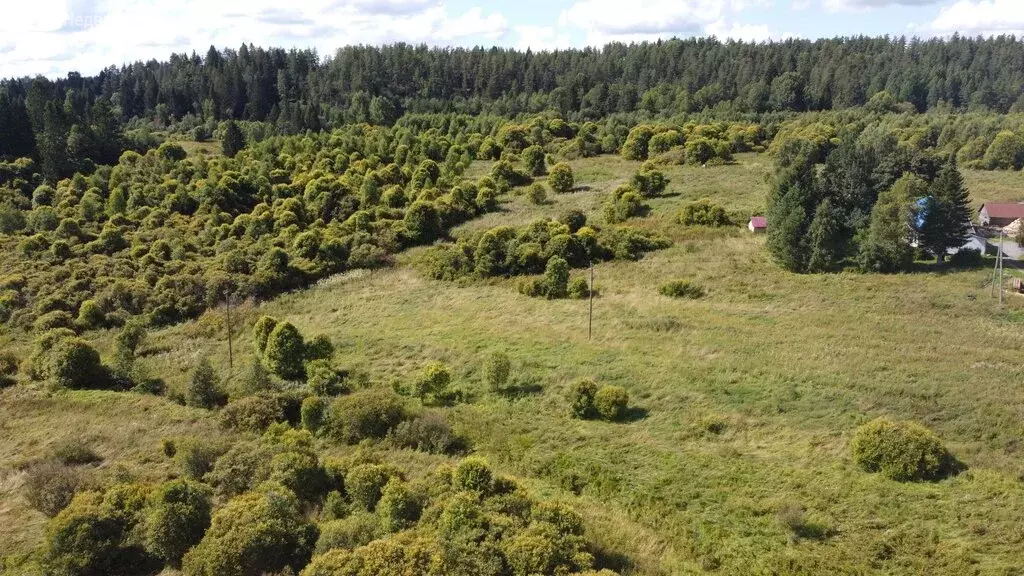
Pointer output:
587, 400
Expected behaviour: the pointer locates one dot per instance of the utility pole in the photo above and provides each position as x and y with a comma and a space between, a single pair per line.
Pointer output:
590, 325
231, 350
1000, 270
996, 269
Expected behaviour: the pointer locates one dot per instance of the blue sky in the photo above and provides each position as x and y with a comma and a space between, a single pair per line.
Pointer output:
54, 37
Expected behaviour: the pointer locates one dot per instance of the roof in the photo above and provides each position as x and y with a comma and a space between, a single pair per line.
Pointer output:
995, 210
759, 221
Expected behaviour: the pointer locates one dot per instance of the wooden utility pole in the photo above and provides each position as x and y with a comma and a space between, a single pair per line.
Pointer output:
231, 349
997, 272
590, 325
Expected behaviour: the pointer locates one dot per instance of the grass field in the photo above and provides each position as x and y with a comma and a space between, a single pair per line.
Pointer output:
736, 460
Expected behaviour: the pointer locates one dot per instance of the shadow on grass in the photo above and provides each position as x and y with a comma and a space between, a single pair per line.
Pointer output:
522, 389
611, 560
633, 414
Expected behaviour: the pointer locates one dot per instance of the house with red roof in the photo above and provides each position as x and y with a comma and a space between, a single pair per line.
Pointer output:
758, 224
1000, 214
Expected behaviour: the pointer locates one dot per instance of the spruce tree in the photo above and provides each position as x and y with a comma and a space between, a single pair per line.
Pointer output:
947, 216
234, 140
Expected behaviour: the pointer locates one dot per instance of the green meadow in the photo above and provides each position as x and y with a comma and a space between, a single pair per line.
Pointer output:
735, 457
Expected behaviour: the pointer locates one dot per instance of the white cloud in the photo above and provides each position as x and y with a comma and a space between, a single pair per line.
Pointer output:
861, 5
745, 32
539, 38
53, 37
613, 20
985, 17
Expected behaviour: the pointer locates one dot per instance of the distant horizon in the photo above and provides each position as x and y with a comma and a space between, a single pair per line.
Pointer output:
53, 38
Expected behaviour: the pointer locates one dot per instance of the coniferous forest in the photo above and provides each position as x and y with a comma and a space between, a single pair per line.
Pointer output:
272, 312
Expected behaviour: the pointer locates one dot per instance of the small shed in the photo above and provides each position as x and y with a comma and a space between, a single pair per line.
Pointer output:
758, 224
996, 214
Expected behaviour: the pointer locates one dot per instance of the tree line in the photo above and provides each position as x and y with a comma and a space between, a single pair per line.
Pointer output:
298, 90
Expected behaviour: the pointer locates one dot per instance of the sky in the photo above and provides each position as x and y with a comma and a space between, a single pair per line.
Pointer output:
54, 37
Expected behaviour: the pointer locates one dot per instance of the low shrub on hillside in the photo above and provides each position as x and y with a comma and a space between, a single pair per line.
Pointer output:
50, 485
8, 368
177, 518
497, 369
682, 289
703, 212
429, 432
365, 414
259, 532
358, 529
611, 402
75, 452
581, 398
902, 451
252, 413
537, 194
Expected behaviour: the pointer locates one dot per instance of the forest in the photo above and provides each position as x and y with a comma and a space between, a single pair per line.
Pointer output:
271, 313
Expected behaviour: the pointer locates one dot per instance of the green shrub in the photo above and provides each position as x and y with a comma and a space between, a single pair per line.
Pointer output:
624, 203
536, 194
75, 452
323, 379
252, 413
349, 533
52, 320
398, 508
422, 222
204, 386
196, 457
365, 483
473, 474
611, 402
74, 364
50, 485
8, 368
497, 369
314, 413
299, 470
429, 432
574, 219
365, 414
257, 533
649, 181
319, 348
703, 212
177, 518
966, 258
261, 333
84, 538
533, 159
902, 451
433, 382
556, 277
561, 178
682, 289
90, 316
286, 352
256, 378
244, 466
581, 398
579, 288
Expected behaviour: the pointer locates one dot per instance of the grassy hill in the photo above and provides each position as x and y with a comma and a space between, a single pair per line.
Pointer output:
735, 459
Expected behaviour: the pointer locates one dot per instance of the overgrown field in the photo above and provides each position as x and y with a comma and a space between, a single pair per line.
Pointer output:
735, 458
